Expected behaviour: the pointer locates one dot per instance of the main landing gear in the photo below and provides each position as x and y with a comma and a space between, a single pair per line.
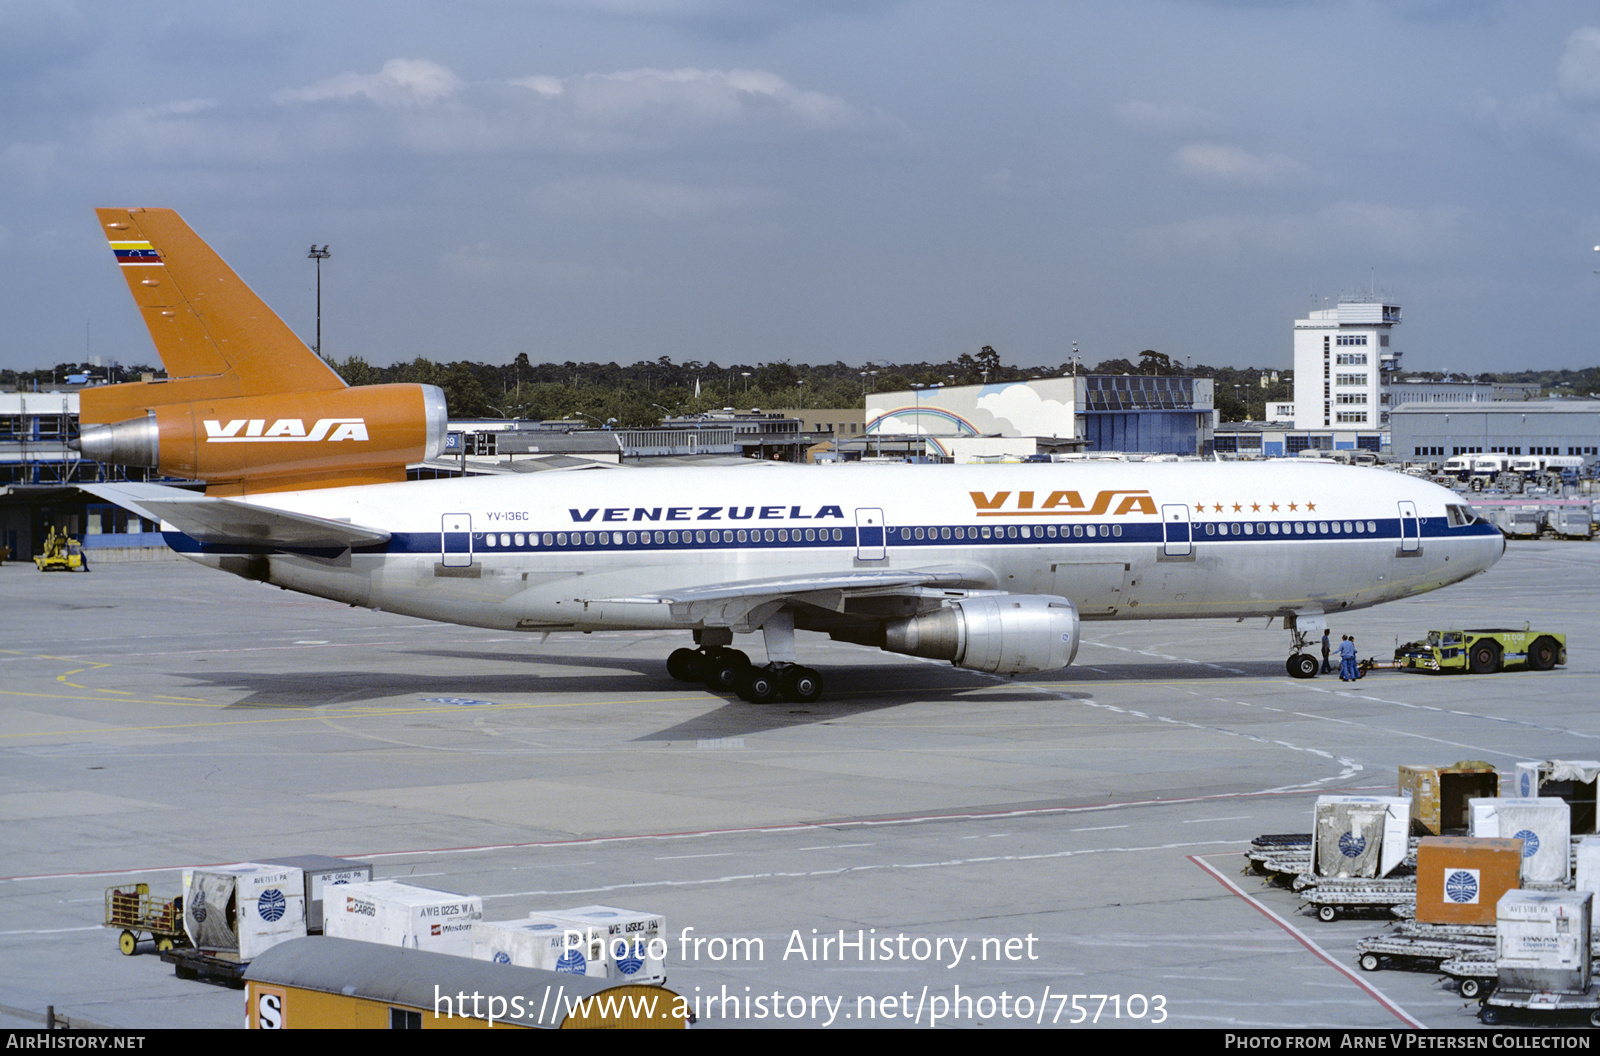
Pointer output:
723, 668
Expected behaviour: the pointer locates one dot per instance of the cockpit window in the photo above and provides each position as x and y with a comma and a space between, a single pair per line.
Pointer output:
1462, 515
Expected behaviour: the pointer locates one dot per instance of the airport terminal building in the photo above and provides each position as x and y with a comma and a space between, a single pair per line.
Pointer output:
1130, 413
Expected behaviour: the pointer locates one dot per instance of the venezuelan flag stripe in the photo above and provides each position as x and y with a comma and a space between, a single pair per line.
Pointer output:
135, 253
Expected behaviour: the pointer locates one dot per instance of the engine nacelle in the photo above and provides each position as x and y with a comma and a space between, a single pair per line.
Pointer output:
1007, 634
281, 438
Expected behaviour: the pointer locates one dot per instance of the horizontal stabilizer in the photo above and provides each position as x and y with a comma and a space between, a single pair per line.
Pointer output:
229, 522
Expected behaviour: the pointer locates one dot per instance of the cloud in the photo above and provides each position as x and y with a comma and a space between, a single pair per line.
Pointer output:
1578, 72
1226, 164
401, 82
691, 97
428, 108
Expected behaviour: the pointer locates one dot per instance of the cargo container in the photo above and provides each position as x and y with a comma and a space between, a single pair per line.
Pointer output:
1542, 941
1544, 826
321, 871
238, 911
1460, 879
1573, 523
1586, 855
395, 914
1572, 780
1359, 836
1439, 794
546, 943
632, 943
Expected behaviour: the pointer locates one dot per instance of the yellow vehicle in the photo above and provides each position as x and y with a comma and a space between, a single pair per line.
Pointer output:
1483, 651
61, 554
135, 912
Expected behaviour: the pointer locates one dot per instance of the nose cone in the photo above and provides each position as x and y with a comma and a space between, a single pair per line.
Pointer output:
1491, 549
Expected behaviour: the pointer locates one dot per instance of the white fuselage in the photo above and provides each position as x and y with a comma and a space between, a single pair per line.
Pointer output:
599, 549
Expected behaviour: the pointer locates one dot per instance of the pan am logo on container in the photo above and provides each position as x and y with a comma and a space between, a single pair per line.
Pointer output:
1530, 842
1461, 887
271, 905
631, 956
1351, 845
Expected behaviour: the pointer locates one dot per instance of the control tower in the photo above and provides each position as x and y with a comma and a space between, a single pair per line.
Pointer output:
1343, 363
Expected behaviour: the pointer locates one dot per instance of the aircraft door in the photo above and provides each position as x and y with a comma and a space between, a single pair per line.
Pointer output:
1176, 532
455, 540
870, 535
1410, 528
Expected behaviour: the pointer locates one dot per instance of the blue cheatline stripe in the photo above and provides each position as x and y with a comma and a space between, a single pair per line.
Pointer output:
1201, 533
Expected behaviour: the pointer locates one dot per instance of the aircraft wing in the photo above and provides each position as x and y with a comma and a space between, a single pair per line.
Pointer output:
740, 602
230, 522
868, 581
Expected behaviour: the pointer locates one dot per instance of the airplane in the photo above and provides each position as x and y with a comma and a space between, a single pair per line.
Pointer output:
993, 568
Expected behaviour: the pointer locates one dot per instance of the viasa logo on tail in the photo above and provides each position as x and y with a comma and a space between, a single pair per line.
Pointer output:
284, 431
1061, 504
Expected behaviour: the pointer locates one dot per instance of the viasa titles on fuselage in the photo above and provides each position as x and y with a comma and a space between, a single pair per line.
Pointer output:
987, 567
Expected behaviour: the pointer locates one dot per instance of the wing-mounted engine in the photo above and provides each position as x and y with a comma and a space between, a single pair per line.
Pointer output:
1007, 634
277, 441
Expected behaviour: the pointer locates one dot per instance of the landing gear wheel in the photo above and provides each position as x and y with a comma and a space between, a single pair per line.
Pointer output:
1370, 962
127, 942
1470, 987
800, 684
1543, 653
723, 668
686, 665
758, 686
1484, 658
1303, 665
1327, 914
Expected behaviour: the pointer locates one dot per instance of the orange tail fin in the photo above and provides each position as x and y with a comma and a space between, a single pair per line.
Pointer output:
246, 405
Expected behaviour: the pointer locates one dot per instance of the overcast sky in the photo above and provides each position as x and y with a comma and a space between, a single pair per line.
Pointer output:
811, 180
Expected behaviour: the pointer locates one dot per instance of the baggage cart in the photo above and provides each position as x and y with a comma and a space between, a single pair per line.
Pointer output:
130, 907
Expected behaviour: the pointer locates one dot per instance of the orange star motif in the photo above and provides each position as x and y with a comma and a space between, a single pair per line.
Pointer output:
1311, 506
1293, 507
1236, 507
1255, 507
1273, 507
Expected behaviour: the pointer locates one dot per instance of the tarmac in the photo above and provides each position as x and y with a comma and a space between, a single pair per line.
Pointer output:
1059, 850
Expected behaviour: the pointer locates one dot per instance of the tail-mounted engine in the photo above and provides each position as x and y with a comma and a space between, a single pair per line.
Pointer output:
280, 440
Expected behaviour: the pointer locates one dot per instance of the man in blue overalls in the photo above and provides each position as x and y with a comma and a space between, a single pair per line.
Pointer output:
1347, 659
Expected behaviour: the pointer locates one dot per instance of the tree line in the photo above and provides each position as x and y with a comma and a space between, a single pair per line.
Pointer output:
642, 394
